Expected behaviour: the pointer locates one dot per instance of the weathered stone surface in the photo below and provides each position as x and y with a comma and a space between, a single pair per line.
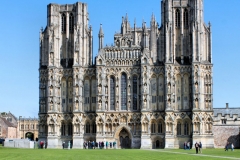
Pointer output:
224, 134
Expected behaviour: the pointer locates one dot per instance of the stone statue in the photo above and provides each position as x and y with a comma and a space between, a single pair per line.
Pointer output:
145, 104
117, 89
99, 89
106, 90
106, 105
145, 88
51, 91
76, 90
99, 105
76, 106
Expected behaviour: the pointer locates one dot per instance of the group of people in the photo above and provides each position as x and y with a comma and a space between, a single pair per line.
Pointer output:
228, 145
198, 147
186, 145
100, 145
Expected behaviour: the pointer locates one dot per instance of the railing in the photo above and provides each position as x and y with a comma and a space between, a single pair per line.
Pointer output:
122, 54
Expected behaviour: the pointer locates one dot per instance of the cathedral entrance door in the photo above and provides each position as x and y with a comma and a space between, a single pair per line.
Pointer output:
157, 144
125, 141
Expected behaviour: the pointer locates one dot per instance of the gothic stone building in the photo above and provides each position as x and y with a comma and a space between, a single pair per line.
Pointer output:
151, 89
8, 125
28, 128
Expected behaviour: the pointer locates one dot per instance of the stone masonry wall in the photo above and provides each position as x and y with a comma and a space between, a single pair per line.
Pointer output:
12, 132
224, 134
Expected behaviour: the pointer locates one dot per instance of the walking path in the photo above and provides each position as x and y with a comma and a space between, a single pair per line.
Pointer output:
203, 155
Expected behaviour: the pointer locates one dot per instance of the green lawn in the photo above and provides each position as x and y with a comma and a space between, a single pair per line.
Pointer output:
131, 154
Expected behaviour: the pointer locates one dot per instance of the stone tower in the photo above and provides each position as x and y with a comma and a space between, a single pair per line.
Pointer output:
65, 49
185, 48
151, 89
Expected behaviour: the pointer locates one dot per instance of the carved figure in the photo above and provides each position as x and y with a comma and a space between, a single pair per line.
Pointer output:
99, 89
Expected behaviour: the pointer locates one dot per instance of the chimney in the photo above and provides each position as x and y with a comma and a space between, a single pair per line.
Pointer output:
226, 105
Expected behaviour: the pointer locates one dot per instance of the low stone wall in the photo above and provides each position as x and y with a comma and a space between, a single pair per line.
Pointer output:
224, 134
18, 143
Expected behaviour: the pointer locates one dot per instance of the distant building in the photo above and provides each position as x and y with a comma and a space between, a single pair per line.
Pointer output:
8, 125
28, 128
226, 126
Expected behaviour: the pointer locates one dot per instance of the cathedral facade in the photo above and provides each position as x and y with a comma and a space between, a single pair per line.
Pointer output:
151, 89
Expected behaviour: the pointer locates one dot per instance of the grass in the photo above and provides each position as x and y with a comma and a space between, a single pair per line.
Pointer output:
111, 154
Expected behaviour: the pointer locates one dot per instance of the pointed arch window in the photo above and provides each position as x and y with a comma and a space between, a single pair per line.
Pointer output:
87, 127
134, 92
160, 127
153, 127
179, 128
185, 18
177, 18
112, 93
71, 23
94, 128
63, 129
70, 129
63, 22
123, 92
186, 129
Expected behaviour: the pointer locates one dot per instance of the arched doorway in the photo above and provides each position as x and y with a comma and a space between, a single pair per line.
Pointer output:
29, 135
157, 144
124, 140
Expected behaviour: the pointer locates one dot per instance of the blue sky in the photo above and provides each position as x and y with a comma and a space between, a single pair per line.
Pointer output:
19, 45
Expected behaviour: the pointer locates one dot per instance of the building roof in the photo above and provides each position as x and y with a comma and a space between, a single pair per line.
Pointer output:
9, 124
226, 111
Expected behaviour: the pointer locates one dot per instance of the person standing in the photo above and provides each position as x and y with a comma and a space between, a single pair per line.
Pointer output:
200, 147
93, 143
232, 147
188, 145
226, 147
110, 144
96, 145
106, 144
102, 145
63, 145
114, 145
196, 146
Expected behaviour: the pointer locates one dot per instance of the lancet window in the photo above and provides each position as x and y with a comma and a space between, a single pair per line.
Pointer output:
63, 22
123, 92
177, 18
179, 128
186, 129
71, 23
135, 92
112, 93
185, 18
